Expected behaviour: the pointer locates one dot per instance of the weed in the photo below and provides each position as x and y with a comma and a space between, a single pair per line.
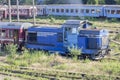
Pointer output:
74, 52
52, 20
7, 78
86, 60
54, 61
11, 49
61, 67
117, 37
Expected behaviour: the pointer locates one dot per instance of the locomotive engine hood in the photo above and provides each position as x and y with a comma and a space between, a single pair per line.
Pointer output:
76, 24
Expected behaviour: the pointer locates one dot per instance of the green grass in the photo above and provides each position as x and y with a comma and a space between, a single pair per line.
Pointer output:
117, 37
107, 23
40, 59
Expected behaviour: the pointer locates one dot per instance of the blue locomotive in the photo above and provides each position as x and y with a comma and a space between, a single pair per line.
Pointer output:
92, 42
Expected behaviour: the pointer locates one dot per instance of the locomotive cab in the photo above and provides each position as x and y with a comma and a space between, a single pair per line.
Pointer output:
71, 30
70, 36
94, 43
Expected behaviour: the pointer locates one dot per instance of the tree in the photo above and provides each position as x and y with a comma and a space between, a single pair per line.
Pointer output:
110, 2
84, 1
55, 1
91, 2
97, 2
13, 2
26, 2
118, 2
101, 1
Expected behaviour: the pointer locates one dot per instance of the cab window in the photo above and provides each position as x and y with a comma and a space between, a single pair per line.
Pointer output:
32, 37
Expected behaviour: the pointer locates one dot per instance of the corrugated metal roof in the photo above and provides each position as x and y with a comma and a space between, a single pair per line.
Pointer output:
23, 6
14, 25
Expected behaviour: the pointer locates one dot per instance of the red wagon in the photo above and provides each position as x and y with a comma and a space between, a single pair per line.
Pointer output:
13, 32
25, 11
3, 12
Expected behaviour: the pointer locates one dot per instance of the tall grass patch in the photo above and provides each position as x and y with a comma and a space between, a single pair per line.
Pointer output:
74, 52
25, 59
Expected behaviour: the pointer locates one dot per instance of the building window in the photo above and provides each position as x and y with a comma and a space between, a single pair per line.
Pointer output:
82, 10
32, 37
3, 34
50, 10
118, 11
10, 35
67, 10
76, 10
90, 44
62, 10
38, 10
108, 11
41, 10
57, 10
72, 10
92, 11
87, 10
53, 10
98, 11
112, 11
60, 37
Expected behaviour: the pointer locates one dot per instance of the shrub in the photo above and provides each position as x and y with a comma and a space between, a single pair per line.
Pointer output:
117, 37
7, 78
74, 52
52, 20
11, 48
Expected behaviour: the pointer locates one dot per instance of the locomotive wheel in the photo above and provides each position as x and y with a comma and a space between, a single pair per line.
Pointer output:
101, 54
108, 51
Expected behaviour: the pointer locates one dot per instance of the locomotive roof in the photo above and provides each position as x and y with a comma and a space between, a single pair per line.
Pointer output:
74, 23
113, 6
75, 5
3, 7
72, 5
14, 25
45, 28
30, 6
48, 27
23, 6
94, 31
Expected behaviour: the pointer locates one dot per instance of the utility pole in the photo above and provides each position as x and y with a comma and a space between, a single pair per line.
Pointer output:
34, 12
18, 18
9, 6
1, 39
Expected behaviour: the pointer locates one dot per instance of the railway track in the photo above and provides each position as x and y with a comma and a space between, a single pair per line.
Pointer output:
117, 27
59, 24
113, 31
17, 75
44, 73
115, 42
54, 74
